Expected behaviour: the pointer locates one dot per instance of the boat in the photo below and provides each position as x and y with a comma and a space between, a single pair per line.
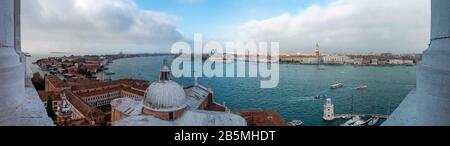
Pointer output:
109, 73
361, 87
373, 121
352, 121
336, 86
359, 123
321, 67
295, 123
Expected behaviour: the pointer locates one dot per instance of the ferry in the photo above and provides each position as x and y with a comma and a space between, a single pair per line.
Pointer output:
361, 87
336, 86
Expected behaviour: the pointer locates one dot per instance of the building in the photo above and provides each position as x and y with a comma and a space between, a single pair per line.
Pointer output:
166, 103
428, 104
54, 84
374, 62
335, 59
358, 61
262, 118
55, 96
78, 101
309, 60
395, 61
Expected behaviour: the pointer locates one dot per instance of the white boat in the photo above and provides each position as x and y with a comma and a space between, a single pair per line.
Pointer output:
321, 67
359, 123
336, 86
362, 87
352, 121
373, 121
295, 123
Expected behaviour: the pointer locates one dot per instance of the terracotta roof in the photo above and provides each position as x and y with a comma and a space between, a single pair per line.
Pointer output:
83, 107
263, 118
54, 95
108, 90
55, 81
138, 84
80, 81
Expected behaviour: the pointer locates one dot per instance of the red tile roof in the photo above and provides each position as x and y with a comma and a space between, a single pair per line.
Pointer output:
82, 106
55, 81
263, 118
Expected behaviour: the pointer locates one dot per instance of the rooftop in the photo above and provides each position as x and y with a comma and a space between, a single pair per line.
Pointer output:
263, 118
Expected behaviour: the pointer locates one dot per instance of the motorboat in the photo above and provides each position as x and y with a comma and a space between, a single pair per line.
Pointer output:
336, 86
373, 121
361, 87
295, 123
359, 123
352, 121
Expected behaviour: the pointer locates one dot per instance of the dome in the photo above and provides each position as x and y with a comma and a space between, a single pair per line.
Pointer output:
164, 95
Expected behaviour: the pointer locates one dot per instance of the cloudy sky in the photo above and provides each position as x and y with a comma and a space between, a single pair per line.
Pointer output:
136, 26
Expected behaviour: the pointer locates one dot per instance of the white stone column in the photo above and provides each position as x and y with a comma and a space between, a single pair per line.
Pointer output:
429, 104
12, 85
19, 106
433, 75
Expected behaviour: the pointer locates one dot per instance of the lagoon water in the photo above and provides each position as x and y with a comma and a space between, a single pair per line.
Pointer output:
294, 98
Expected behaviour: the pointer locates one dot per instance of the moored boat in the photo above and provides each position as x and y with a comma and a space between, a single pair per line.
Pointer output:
373, 121
295, 123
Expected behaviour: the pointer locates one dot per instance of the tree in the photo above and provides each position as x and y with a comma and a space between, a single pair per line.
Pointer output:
38, 81
63, 66
50, 111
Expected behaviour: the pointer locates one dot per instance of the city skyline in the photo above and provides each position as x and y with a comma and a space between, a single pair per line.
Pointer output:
137, 26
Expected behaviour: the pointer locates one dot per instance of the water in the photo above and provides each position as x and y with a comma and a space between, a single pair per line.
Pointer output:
294, 97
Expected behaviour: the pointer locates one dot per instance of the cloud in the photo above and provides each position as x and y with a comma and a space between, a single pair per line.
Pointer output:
398, 26
95, 26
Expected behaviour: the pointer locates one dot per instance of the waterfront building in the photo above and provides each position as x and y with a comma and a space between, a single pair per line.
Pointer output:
428, 104
328, 110
395, 61
166, 103
374, 62
358, 61
335, 59
349, 61
309, 60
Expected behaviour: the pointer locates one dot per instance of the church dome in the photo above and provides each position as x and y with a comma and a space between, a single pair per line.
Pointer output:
165, 94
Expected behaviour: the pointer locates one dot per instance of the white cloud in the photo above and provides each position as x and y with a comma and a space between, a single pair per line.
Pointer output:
348, 26
95, 26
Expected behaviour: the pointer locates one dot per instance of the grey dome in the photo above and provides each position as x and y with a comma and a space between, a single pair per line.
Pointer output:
165, 95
